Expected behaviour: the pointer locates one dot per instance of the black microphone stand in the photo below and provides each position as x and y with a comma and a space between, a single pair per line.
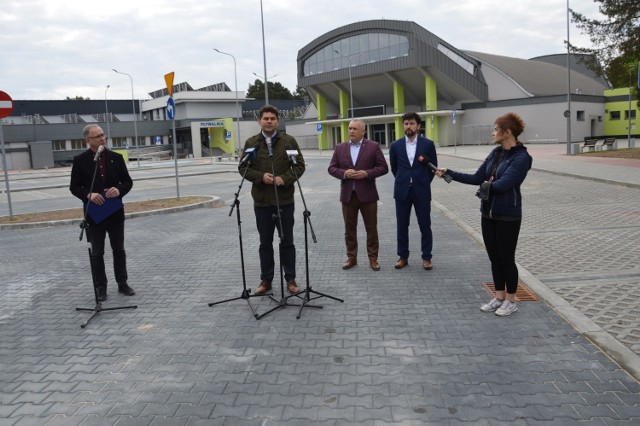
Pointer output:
85, 225
277, 216
245, 295
306, 298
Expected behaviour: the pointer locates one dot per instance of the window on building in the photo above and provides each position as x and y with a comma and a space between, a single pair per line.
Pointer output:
59, 145
78, 144
580, 116
614, 115
465, 64
633, 114
118, 142
357, 50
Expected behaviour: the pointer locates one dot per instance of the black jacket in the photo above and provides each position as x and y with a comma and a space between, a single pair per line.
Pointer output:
505, 199
116, 175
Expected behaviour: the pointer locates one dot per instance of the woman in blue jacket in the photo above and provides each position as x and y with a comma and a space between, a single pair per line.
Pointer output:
500, 177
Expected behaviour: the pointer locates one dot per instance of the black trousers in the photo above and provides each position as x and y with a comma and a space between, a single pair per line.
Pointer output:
266, 223
501, 238
96, 234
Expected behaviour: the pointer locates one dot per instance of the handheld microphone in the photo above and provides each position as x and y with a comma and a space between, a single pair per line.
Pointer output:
268, 142
446, 177
292, 154
249, 154
98, 152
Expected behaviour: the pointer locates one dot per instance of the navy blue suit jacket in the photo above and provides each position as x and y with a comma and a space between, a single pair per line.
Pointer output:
404, 172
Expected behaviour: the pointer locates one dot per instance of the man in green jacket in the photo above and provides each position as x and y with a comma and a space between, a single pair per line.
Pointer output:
273, 185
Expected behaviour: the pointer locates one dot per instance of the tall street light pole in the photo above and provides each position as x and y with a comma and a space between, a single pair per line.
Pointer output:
568, 111
350, 85
106, 118
135, 117
264, 58
235, 76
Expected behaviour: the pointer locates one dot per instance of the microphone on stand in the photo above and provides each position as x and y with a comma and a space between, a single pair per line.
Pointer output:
268, 142
98, 152
292, 154
249, 155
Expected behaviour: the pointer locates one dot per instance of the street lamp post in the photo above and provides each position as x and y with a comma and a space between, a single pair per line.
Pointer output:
350, 86
135, 117
106, 118
235, 76
568, 112
264, 58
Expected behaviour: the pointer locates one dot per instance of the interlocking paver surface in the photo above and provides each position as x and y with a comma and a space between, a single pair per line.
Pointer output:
405, 347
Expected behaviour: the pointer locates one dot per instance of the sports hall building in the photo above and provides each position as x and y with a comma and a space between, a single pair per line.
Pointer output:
377, 70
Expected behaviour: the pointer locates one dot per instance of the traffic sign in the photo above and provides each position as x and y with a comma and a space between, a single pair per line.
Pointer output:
319, 127
227, 135
168, 78
6, 105
171, 109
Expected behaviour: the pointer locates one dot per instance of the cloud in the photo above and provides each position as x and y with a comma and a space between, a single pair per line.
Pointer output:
55, 49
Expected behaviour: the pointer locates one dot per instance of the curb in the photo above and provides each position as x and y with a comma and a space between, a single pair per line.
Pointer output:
213, 202
609, 345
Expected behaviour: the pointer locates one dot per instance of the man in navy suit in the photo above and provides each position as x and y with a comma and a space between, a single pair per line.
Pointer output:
412, 188
111, 180
357, 163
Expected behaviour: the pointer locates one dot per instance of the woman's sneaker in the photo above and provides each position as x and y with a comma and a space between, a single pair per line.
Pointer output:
494, 304
507, 308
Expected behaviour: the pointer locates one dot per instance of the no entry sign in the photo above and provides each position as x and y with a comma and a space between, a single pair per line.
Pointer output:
6, 104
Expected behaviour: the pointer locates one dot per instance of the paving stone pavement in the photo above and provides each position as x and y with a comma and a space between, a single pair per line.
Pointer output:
406, 347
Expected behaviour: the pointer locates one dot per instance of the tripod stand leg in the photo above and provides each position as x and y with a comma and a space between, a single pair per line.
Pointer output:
244, 296
98, 308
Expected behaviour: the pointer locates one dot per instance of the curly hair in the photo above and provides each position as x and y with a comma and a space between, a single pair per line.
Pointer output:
510, 121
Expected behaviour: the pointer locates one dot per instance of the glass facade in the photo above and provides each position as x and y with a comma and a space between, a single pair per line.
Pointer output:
357, 50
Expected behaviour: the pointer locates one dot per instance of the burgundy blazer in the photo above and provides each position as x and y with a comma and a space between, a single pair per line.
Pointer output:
370, 158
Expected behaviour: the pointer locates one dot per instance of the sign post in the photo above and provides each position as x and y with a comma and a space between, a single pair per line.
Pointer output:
455, 136
6, 106
171, 114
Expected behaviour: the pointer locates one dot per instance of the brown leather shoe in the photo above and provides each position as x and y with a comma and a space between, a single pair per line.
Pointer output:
350, 263
401, 263
374, 265
426, 264
263, 288
292, 287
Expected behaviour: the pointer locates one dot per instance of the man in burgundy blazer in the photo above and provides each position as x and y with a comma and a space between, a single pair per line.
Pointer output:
357, 163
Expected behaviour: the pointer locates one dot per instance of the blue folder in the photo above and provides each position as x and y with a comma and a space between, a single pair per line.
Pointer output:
109, 207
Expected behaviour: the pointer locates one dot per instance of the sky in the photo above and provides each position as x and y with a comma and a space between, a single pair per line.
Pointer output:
54, 49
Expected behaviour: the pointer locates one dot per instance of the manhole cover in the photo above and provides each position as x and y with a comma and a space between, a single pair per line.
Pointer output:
523, 294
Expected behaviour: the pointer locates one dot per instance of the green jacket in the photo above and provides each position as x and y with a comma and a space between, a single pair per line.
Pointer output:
264, 195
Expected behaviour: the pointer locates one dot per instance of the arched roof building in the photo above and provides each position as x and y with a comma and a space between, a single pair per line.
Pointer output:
378, 69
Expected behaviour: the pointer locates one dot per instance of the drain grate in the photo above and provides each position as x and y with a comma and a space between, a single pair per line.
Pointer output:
523, 294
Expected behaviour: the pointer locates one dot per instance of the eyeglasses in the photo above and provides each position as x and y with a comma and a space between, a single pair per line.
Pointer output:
101, 135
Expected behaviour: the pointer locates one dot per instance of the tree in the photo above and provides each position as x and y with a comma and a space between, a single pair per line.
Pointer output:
616, 40
77, 98
301, 94
276, 91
